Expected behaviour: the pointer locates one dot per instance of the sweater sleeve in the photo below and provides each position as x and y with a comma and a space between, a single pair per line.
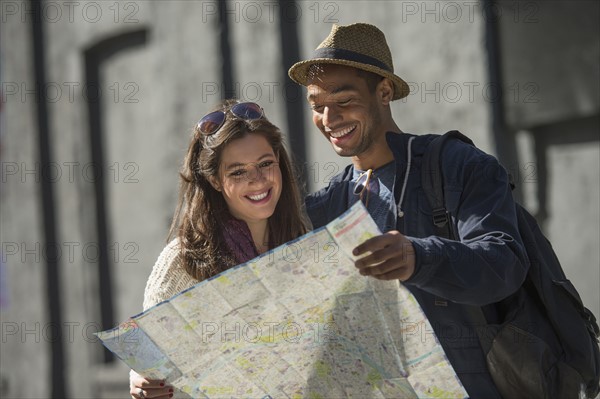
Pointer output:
168, 277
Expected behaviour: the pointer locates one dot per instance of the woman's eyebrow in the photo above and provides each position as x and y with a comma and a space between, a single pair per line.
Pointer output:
239, 164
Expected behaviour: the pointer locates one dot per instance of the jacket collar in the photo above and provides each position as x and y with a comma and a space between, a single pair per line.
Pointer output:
397, 142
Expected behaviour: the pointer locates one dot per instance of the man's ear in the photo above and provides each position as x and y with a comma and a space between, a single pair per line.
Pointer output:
215, 183
385, 90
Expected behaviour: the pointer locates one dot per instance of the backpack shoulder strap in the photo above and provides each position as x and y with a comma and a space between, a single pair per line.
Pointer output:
433, 183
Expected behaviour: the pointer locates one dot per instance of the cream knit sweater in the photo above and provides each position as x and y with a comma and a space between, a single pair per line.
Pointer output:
168, 276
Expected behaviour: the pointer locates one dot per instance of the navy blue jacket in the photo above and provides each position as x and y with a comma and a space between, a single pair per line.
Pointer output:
488, 264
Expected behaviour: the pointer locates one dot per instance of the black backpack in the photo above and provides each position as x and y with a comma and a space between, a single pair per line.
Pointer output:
547, 345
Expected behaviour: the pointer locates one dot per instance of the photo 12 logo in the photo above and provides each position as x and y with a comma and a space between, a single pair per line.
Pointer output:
272, 11
71, 252
118, 12
468, 11
54, 92
473, 92
69, 172
37, 332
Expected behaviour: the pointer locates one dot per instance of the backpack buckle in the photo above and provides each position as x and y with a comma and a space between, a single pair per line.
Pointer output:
440, 217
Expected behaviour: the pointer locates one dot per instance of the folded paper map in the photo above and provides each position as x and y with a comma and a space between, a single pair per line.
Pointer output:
296, 322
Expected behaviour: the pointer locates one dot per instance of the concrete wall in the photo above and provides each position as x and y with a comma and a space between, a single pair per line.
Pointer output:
550, 64
23, 316
150, 100
152, 96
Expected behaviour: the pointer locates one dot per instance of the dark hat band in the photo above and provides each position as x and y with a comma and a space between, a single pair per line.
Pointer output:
349, 55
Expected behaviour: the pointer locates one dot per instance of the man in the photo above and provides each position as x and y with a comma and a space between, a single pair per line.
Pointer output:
350, 83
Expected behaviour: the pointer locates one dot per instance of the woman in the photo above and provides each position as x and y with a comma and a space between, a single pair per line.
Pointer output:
238, 199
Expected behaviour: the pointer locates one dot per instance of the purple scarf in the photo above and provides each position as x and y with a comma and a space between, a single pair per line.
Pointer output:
239, 240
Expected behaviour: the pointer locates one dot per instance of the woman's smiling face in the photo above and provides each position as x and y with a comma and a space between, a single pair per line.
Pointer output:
250, 178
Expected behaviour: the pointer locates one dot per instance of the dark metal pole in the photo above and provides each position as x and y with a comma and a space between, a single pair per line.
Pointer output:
295, 102
504, 137
226, 54
94, 57
92, 74
57, 357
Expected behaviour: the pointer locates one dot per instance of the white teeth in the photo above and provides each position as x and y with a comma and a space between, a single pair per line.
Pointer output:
342, 133
259, 196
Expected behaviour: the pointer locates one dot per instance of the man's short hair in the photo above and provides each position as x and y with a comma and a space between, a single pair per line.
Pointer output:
372, 79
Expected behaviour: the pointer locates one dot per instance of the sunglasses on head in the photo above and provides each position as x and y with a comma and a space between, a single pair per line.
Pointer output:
211, 123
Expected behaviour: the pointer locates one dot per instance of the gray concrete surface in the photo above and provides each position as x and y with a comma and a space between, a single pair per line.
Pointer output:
154, 94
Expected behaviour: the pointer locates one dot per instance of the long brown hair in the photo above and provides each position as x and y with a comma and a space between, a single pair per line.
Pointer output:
201, 209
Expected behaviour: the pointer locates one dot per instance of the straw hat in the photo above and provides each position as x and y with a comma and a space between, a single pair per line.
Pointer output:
359, 45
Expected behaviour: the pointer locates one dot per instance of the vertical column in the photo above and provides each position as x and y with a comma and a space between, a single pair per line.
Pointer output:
57, 357
94, 57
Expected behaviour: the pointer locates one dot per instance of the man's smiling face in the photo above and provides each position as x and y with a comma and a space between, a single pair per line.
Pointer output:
344, 109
